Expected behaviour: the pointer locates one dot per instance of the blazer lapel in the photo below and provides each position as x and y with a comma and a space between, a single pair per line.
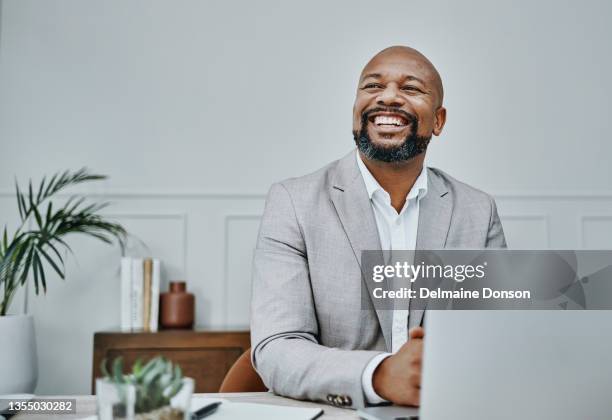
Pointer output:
350, 199
435, 211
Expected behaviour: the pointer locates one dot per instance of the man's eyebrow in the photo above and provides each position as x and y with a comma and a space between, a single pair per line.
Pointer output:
372, 75
379, 76
415, 79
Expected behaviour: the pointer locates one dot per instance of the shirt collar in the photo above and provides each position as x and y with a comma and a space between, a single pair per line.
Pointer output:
418, 190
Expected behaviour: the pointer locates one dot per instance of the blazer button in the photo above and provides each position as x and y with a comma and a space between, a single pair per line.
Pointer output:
338, 400
346, 401
330, 398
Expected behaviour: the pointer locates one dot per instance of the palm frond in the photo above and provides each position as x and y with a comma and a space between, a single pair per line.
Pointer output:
57, 183
30, 250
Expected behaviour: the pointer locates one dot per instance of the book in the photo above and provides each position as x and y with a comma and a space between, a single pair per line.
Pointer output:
146, 293
137, 294
155, 285
126, 293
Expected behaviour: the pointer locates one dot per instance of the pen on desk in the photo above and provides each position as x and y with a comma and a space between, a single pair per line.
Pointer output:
205, 411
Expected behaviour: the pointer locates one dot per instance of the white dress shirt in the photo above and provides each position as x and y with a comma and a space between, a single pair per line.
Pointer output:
397, 231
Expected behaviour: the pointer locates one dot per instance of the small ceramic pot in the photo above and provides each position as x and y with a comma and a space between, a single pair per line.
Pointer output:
177, 307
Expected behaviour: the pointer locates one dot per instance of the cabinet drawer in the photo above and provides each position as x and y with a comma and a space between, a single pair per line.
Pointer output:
207, 366
205, 356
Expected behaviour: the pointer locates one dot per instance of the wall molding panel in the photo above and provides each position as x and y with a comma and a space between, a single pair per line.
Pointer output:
238, 254
599, 234
527, 230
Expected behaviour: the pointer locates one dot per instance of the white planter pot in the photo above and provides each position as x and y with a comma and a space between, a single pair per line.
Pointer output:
18, 362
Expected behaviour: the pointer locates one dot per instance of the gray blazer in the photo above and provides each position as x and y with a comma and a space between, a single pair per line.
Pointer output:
310, 337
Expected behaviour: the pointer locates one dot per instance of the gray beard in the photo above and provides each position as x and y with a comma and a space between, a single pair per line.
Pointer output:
413, 145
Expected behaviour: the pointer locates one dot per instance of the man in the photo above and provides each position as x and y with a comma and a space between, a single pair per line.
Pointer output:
311, 337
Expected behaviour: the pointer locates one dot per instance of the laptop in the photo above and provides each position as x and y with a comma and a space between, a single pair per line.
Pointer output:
513, 364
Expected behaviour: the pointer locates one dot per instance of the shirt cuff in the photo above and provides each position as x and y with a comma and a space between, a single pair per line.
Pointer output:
366, 379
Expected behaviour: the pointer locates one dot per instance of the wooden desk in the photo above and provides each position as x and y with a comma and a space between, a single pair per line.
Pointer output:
205, 355
86, 406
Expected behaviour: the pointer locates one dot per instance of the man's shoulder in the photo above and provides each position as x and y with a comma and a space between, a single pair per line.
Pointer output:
460, 190
312, 183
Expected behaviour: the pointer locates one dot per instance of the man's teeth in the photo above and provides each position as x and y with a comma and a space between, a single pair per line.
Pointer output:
388, 120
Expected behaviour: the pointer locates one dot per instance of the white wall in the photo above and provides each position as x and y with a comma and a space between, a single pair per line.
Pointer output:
195, 107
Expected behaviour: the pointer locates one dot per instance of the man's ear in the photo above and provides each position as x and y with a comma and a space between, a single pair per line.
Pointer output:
439, 121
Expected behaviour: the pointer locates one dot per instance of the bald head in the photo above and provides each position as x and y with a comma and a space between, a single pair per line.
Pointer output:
397, 55
398, 106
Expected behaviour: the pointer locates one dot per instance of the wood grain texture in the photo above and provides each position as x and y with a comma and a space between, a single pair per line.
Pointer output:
204, 355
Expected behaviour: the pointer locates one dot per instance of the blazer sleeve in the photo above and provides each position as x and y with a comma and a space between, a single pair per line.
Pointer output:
284, 329
495, 235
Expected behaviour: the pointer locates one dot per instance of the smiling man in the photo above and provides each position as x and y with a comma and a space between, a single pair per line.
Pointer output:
311, 336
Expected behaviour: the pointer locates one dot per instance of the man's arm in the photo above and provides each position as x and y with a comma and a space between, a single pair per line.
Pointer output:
495, 236
284, 328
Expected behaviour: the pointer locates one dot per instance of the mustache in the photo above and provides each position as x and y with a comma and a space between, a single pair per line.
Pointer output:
411, 118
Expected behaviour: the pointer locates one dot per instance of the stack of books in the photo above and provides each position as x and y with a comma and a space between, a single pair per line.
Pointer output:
140, 279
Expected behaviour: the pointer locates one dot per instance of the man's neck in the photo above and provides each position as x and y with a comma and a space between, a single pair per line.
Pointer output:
396, 178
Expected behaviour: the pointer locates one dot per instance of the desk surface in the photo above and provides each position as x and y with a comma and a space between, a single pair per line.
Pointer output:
86, 405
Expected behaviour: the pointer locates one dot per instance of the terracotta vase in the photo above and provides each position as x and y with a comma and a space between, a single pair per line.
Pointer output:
177, 307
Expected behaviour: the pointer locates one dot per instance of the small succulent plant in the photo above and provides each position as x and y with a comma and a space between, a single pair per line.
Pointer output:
155, 382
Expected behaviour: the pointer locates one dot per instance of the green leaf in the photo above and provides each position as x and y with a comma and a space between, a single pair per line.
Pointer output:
137, 368
174, 388
165, 380
4, 241
20, 251
30, 194
61, 241
37, 216
59, 256
63, 181
148, 367
118, 370
104, 369
93, 208
35, 271
40, 190
24, 205
41, 272
155, 371
59, 271
20, 202
49, 213
51, 185
27, 266
69, 207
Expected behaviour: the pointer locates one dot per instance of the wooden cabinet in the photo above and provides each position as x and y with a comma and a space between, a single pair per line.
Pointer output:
204, 355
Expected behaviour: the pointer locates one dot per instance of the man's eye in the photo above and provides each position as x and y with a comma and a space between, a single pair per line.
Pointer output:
411, 88
373, 86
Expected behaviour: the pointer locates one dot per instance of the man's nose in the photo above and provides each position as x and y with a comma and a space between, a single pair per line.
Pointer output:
390, 96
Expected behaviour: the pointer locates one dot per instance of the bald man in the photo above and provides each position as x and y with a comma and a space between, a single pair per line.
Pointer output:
312, 336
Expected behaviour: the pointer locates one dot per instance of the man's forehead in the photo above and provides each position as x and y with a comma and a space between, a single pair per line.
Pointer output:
393, 66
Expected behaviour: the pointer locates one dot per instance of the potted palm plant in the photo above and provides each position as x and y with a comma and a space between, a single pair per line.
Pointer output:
37, 245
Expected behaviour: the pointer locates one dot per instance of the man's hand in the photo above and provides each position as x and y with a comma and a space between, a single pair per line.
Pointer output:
398, 377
